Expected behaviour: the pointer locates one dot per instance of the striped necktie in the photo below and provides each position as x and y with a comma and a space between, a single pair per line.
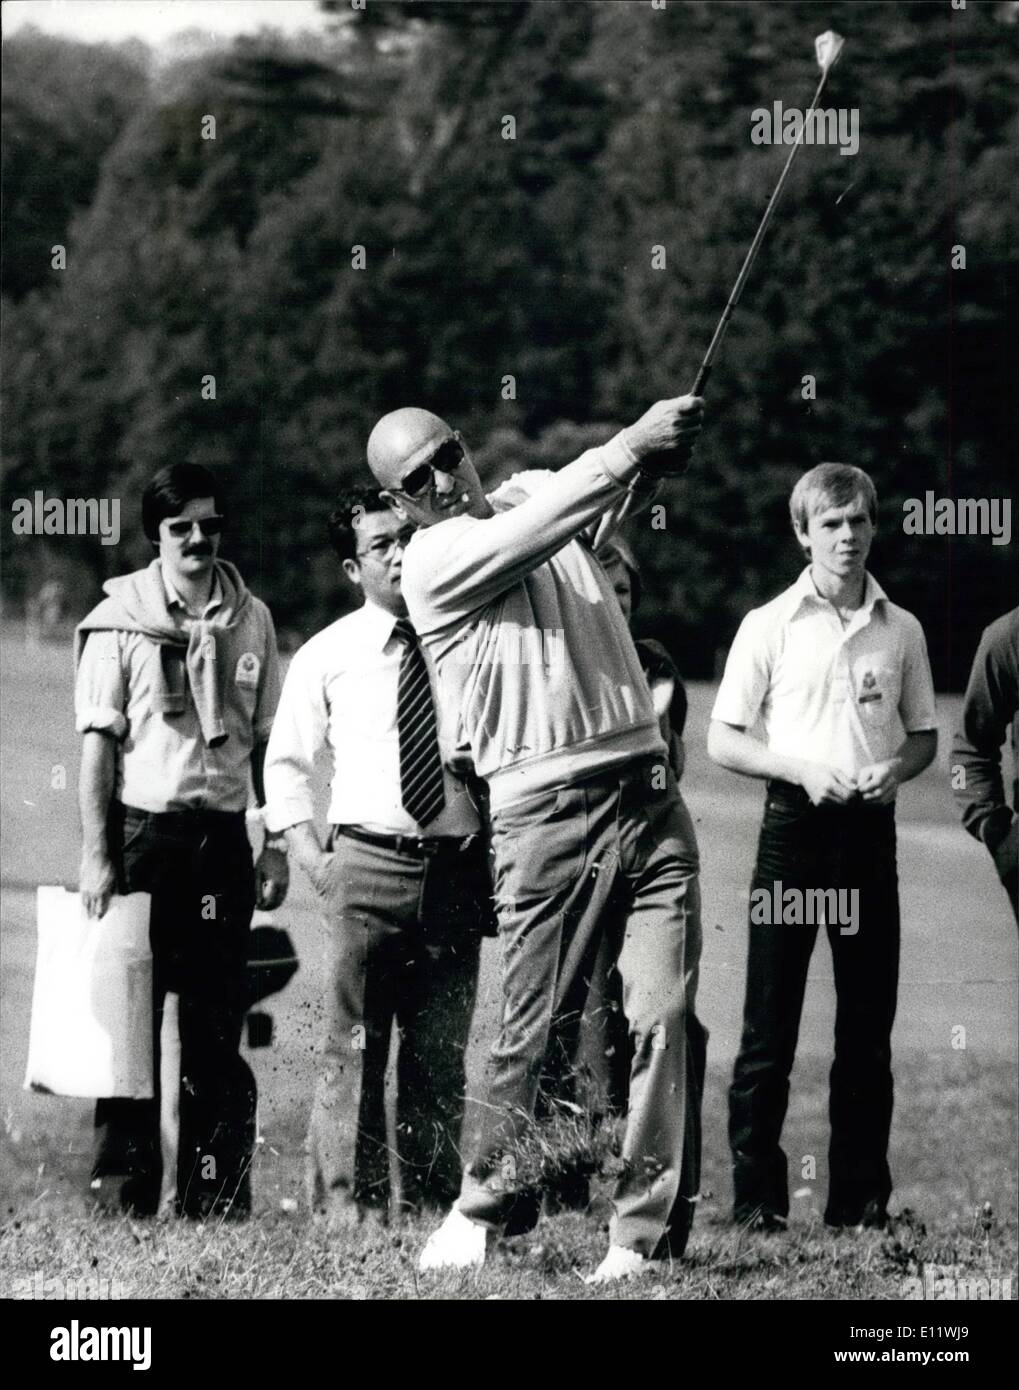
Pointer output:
421, 789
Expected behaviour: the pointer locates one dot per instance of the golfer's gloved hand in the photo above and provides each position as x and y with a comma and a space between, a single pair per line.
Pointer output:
663, 438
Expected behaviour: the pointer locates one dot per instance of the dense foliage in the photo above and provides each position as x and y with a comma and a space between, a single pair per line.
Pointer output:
531, 257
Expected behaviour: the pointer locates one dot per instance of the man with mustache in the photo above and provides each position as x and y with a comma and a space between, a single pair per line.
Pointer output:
177, 684
539, 680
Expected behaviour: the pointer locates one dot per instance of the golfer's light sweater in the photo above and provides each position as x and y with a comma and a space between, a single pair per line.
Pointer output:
537, 671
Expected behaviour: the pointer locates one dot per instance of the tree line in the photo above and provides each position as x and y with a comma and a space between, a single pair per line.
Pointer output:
360, 227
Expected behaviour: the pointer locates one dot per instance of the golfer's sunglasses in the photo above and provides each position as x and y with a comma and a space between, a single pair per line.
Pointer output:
208, 525
446, 459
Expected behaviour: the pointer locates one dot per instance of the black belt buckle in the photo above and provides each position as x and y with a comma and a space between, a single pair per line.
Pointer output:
429, 846
414, 846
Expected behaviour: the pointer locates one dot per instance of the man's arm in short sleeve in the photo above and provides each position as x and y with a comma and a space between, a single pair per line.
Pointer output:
269, 682
747, 675
100, 692
745, 684
917, 708
100, 699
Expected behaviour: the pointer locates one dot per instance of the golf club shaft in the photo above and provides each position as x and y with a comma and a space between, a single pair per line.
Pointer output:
737, 289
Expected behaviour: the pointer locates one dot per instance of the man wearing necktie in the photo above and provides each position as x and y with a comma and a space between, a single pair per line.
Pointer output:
402, 881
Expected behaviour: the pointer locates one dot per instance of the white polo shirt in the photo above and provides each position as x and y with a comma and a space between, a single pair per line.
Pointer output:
832, 695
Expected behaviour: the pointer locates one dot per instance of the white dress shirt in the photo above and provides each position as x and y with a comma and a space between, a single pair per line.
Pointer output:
341, 691
833, 695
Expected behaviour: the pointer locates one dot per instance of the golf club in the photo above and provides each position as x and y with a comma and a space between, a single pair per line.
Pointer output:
827, 47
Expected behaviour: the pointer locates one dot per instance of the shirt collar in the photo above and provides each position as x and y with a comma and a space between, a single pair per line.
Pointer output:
377, 622
805, 591
174, 600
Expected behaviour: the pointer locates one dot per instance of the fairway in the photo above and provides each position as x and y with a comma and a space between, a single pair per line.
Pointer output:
953, 1137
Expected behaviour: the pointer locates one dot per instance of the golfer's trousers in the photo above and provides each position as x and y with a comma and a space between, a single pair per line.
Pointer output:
403, 937
613, 854
197, 866
806, 847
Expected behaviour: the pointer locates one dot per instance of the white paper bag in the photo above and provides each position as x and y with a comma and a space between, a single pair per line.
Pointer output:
91, 1031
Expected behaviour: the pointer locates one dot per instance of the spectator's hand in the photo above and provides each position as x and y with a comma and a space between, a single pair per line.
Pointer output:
97, 882
272, 879
826, 784
320, 871
878, 783
662, 690
663, 438
461, 765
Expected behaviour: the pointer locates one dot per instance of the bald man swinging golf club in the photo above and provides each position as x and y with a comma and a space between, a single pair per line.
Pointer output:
539, 680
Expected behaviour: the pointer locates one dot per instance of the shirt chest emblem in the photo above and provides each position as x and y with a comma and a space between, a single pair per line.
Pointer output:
248, 669
868, 689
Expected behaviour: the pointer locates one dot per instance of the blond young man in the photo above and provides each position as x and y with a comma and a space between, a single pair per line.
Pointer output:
839, 677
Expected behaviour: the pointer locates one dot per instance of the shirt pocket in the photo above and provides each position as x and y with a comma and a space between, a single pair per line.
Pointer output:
876, 690
242, 693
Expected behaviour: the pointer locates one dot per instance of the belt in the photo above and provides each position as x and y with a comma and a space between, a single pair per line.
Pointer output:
794, 795
184, 820
417, 846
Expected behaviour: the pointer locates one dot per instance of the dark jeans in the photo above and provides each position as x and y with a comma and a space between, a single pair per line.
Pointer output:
819, 847
405, 937
197, 867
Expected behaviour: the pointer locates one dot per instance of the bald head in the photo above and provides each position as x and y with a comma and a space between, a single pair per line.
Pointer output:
402, 439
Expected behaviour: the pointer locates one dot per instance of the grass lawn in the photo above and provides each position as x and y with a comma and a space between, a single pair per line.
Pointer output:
953, 1149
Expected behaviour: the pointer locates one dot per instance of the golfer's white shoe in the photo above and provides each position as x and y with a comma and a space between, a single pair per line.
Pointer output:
621, 1263
459, 1243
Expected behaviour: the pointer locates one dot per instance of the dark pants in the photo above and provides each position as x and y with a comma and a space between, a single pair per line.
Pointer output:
197, 867
405, 937
819, 847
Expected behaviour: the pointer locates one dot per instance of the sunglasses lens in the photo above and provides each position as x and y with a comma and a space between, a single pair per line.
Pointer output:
208, 525
417, 481
448, 458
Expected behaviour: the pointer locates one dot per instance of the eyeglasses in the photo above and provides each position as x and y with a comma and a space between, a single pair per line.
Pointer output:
384, 548
208, 525
447, 459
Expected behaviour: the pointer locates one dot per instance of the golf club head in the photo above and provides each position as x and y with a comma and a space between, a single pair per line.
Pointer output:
828, 46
